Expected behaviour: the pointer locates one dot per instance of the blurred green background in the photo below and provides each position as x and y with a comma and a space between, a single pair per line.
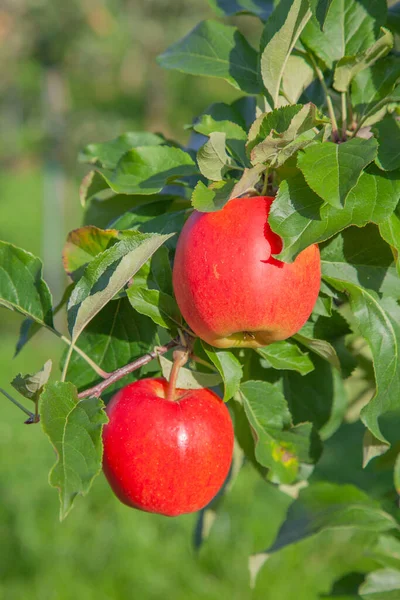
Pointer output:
72, 73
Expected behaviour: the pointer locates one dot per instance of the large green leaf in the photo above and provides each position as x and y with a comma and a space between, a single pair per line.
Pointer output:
379, 323
361, 256
373, 87
147, 169
286, 355
388, 132
350, 28
348, 66
332, 170
116, 336
215, 50
108, 154
21, 285
279, 446
104, 213
329, 506
299, 216
390, 231
280, 34
228, 367
297, 76
83, 245
159, 306
74, 429
106, 275
319, 397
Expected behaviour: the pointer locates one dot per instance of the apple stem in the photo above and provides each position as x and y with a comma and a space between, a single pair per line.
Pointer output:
180, 359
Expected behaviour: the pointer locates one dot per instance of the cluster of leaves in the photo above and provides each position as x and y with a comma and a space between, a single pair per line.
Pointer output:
316, 126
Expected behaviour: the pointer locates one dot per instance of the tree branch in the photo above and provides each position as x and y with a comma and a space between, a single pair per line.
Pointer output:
96, 390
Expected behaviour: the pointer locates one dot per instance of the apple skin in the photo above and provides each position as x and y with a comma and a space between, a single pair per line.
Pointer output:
230, 289
162, 456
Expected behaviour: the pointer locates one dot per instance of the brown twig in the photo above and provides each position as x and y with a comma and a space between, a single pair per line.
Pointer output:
96, 390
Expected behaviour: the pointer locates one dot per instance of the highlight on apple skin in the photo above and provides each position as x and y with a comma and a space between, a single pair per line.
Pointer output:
163, 456
230, 289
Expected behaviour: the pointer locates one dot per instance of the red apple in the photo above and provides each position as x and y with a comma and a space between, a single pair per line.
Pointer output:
166, 456
229, 287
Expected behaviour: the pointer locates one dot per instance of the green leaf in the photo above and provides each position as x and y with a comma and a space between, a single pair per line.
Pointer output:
187, 379
160, 307
31, 386
379, 323
116, 336
297, 76
92, 185
74, 428
300, 218
107, 154
161, 272
393, 20
390, 231
359, 255
146, 170
388, 133
383, 584
332, 170
229, 368
286, 355
350, 28
279, 446
318, 397
329, 506
277, 135
83, 245
212, 158
321, 347
106, 275
320, 9
373, 88
348, 66
217, 194
21, 285
206, 125
237, 7
214, 197
215, 50
280, 34
105, 213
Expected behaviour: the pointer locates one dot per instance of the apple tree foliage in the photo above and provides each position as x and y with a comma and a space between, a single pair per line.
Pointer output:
316, 124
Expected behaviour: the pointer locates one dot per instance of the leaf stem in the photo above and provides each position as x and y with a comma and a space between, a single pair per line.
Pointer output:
344, 115
25, 410
320, 75
96, 390
66, 363
90, 362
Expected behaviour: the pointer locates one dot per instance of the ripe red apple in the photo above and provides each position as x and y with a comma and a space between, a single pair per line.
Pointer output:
230, 289
166, 456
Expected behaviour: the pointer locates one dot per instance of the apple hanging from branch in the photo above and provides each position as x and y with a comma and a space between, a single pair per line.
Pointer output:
228, 285
167, 450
